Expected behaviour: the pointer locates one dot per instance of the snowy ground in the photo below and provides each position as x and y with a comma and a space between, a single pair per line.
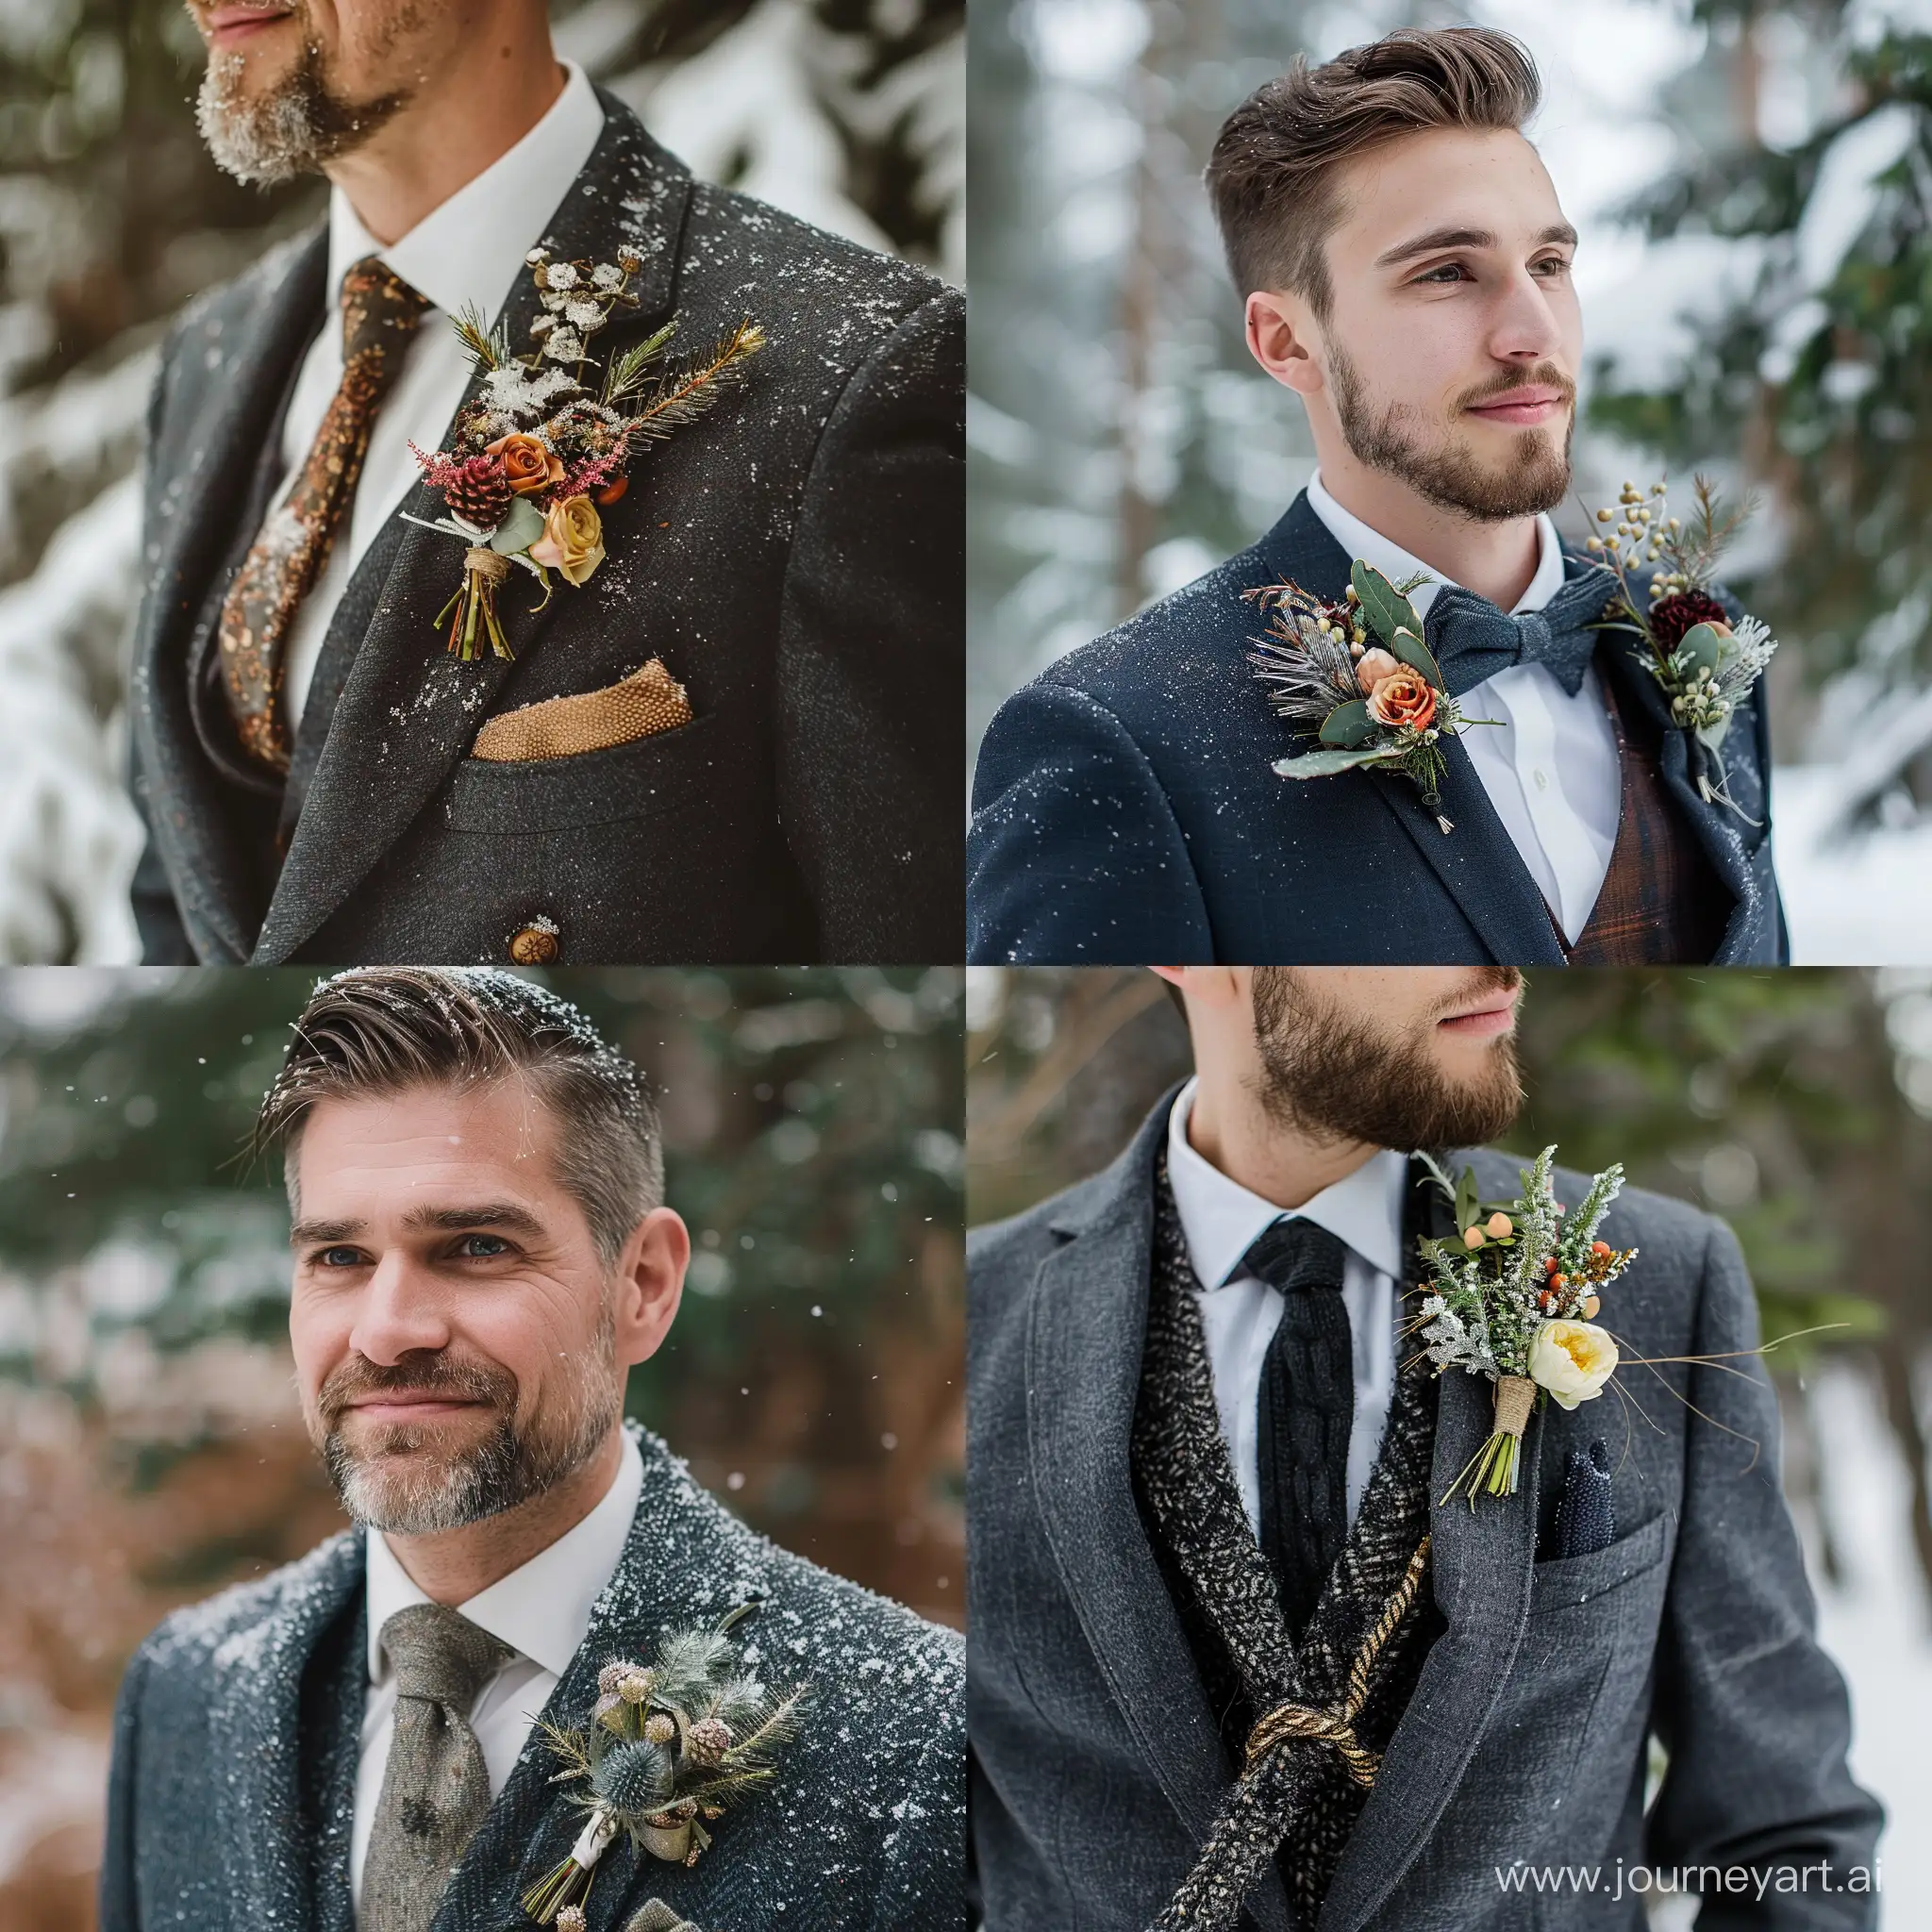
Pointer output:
1863, 901
1879, 1630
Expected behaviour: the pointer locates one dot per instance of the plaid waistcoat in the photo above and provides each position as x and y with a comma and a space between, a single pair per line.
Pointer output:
1298, 1802
1662, 903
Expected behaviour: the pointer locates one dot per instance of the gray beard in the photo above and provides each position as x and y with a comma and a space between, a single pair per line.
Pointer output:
503, 1471
291, 130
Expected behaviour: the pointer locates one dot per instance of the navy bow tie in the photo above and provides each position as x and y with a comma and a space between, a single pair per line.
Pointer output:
1471, 640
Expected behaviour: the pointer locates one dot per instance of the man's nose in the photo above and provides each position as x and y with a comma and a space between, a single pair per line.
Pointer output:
401, 1311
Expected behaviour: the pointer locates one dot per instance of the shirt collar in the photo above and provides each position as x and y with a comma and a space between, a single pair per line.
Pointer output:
541, 1609
1221, 1219
1395, 563
470, 249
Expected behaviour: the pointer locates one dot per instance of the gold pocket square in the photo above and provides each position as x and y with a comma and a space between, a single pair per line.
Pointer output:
648, 700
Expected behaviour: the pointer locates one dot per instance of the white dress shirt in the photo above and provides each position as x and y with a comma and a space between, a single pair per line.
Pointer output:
1549, 764
1219, 1221
470, 249
541, 1611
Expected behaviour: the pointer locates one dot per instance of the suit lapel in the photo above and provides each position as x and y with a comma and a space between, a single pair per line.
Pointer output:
1717, 829
686, 1561
191, 820
1477, 862
255, 1731
1481, 1566
1084, 1349
408, 711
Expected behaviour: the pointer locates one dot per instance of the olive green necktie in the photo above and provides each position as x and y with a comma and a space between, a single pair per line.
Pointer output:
435, 1788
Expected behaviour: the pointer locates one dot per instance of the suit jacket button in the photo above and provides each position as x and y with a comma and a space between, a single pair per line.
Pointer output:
535, 945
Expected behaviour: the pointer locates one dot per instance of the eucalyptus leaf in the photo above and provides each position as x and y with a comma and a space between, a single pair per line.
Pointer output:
1348, 726
522, 524
1387, 609
1703, 648
1325, 764
1406, 647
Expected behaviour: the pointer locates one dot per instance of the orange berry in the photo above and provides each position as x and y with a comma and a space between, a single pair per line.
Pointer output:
1590, 1304
1599, 1247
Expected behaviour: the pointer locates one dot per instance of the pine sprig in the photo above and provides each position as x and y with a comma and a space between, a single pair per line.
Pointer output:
487, 349
683, 394
625, 376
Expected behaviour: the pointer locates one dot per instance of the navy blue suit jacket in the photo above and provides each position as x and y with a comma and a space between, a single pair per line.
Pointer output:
1125, 811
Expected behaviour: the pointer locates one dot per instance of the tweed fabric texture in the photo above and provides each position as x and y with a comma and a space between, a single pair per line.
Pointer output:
235, 1751
1298, 1800
648, 700
381, 312
1660, 903
435, 1785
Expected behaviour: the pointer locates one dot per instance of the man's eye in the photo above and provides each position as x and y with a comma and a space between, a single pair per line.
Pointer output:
1448, 271
340, 1258
1552, 265
482, 1247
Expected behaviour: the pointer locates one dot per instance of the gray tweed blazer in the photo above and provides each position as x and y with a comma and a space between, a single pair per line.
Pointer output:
238, 1731
1096, 1766
797, 560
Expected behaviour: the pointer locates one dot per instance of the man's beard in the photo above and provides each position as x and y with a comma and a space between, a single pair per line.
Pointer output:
297, 123
1337, 1076
1449, 474
393, 1481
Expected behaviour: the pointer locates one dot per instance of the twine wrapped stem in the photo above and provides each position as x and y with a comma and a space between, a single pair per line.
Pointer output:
474, 605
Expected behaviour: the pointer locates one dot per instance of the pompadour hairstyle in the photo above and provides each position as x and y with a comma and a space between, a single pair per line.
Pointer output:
1273, 174
382, 1029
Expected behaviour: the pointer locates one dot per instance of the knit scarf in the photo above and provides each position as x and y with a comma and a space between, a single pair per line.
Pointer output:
1311, 1719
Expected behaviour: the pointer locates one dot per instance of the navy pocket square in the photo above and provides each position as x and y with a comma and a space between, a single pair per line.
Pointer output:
1586, 1521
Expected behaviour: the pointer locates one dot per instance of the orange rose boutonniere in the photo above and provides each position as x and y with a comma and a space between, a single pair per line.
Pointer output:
550, 436
1357, 677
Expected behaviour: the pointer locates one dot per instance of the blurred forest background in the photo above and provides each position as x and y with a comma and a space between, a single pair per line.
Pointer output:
1753, 183
1796, 1105
850, 113
151, 1450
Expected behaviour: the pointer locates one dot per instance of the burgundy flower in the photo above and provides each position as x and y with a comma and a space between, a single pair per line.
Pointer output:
1672, 616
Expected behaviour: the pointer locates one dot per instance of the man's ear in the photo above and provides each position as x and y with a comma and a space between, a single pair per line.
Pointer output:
1281, 338
650, 1285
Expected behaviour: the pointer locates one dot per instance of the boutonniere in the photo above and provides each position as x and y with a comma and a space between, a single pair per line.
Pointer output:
1514, 1295
1357, 677
671, 1746
1706, 666
551, 437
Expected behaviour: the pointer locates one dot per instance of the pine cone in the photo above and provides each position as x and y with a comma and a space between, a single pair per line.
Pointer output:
708, 1741
1671, 617
481, 491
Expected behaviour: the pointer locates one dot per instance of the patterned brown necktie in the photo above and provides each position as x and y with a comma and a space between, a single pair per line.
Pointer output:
381, 312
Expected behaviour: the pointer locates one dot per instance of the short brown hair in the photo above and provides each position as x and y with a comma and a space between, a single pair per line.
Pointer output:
1273, 172
382, 1029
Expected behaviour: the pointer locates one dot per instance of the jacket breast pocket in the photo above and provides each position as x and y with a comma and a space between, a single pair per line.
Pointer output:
640, 779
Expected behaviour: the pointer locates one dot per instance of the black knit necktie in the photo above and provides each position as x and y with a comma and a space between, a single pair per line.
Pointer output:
1304, 1412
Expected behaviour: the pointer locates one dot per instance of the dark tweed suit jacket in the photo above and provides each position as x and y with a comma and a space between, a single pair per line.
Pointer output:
1125, 810
796, 559
238, 1728
1096, 1763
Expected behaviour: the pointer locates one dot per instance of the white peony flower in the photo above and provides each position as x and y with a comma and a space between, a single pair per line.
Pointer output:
1572, 1360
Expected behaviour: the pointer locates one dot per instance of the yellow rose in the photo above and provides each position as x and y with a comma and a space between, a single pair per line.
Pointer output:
1572, 1360
573, 539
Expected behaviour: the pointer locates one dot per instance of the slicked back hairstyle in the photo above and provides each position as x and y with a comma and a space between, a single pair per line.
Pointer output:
1273, 175
382, 1030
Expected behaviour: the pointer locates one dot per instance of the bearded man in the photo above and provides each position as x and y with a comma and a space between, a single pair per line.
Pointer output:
1406, 272
365, 1737
1239, 1660
728, 732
